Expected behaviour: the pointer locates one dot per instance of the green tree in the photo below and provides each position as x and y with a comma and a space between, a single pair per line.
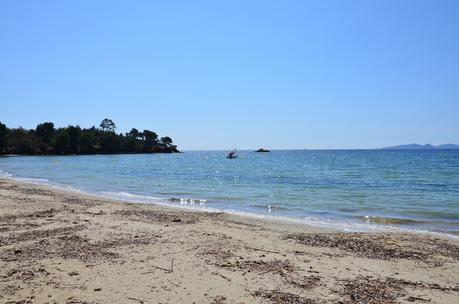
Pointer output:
150, 137
109, 143
134, 133
166, 140
45, 131
108, 125
74, 134
45, 139
88, 141
3, 132
61, 141
21, 141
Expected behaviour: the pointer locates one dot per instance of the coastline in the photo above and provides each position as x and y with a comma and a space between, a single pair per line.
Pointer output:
369, 224
70, 247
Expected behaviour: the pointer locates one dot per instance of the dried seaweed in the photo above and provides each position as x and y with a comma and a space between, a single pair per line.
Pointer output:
218, 253
34, 191
24, 220
218, 300
434, 246
358, 244
280, 297
66, 247
151, 216
14, 238
79, 201
370, 291
9, 289
156, 216
304, 282
279, 267
425, 285
36, 214
72, 246
382, 291
14, 226
25, 274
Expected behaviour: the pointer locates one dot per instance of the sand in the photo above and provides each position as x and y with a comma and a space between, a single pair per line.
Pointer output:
66, 247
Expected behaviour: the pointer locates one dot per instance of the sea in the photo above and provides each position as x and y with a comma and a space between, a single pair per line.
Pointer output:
349, 190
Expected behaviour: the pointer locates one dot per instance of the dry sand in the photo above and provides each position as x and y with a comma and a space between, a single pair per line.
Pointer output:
63, 247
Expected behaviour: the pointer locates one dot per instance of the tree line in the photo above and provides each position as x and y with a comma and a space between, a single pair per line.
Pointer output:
45, 139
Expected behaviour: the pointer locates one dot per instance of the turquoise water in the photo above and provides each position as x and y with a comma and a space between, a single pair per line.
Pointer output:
347, 189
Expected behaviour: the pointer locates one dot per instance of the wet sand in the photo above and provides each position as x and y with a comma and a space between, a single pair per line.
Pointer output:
65, 247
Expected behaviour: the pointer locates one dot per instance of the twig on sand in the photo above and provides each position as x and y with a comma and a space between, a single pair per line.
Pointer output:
147, 272
175, 284
157, 267
413, 299
365, 278
135, 299
264, 250
222, 276
172, 265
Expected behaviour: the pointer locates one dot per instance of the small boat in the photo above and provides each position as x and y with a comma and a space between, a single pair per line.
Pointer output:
232, 154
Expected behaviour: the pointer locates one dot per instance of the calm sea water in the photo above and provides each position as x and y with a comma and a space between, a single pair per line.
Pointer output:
357, 190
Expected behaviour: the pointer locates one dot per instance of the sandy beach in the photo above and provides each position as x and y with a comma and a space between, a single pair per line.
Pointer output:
66, 247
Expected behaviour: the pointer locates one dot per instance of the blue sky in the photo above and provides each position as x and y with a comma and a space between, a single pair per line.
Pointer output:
245, 74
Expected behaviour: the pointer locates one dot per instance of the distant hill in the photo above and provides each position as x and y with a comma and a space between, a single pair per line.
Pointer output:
422, 147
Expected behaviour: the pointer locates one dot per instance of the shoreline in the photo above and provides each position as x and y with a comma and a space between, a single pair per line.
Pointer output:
371, 224
245, 216
67, 247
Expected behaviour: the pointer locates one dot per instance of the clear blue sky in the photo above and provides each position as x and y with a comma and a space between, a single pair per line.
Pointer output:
245, 74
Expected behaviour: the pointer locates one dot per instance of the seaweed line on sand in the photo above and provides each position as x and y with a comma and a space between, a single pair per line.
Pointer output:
378, 246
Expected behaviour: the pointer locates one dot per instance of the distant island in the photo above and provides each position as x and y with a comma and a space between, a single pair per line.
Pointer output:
422, 147
45, 139
261, 150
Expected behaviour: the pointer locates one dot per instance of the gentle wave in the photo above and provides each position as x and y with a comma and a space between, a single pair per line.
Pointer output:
335, 189
400, 221
31, 180
152, 199
335, 224
5, 174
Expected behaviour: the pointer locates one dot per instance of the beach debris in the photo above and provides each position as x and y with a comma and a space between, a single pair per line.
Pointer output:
172, 266
262, 250
65, 243
66, 247
370, 291
304, 282
24, 274
423, 285
80, 201
281, 297
135, 299
35, 191
384, 291
280, 267
222, 276
24, 220
153, 216
28, 300
14, 238
379, 246
417, 299
218, 300
218, 253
